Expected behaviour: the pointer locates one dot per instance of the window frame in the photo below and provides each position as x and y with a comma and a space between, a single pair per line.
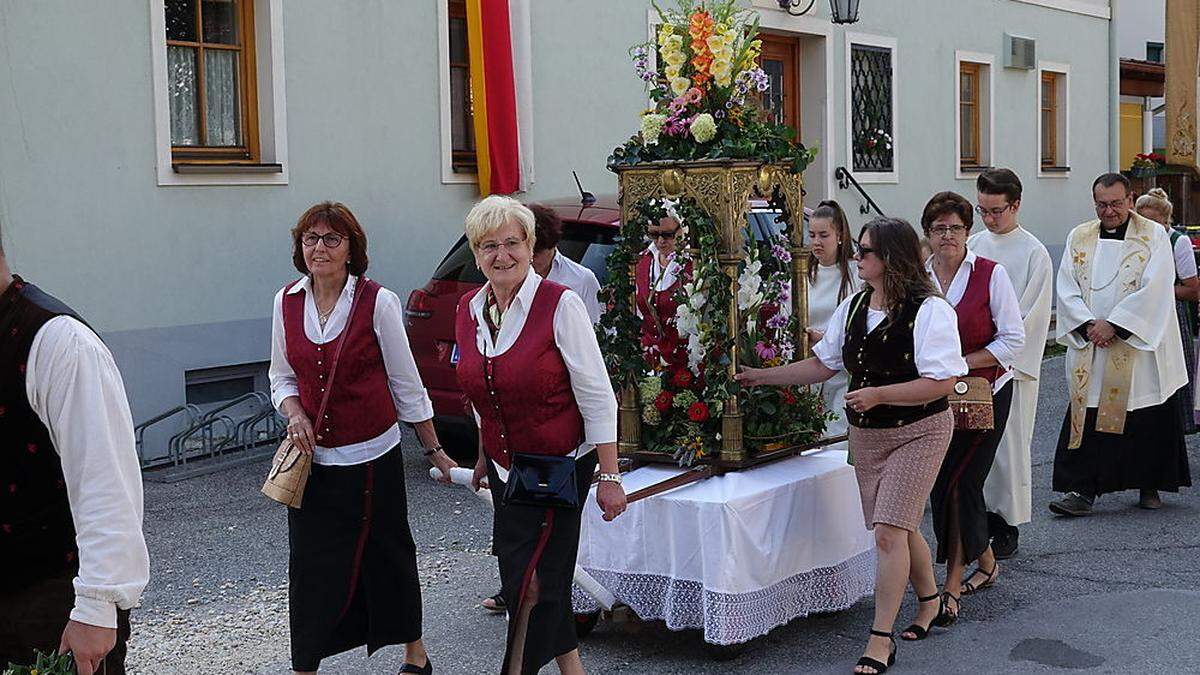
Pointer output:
786, 49
984, 65
1060, 74
449, 175
248, 151
1162, 51
882, 42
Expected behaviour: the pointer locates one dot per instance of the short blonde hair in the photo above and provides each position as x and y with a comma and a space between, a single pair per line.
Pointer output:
1157, 200
495, 211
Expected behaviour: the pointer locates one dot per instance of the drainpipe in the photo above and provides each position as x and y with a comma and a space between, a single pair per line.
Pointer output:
1147, 125
1114, 92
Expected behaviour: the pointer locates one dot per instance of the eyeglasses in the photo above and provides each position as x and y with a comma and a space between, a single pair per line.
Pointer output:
512, 245
861, 251
943, 230
994, 212
331, 239
665, 236
1110, 206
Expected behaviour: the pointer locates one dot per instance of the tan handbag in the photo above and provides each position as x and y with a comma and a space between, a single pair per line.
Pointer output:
971, 404
290, 468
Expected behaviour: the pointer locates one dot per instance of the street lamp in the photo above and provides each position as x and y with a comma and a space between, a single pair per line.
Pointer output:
842, 11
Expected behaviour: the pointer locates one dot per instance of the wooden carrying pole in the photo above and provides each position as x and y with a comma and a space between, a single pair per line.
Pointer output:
1183, 64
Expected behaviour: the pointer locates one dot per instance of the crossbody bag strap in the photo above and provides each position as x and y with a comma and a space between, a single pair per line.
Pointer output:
337, 352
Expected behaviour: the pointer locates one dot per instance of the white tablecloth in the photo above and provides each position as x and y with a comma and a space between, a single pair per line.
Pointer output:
738, 554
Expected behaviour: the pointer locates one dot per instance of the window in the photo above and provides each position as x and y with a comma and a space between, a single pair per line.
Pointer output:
871, 105
1154, 52
974, 114
211, 80
780, 58
462, 119
1053, 113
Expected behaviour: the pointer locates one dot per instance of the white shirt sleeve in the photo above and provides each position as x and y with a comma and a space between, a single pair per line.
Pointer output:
829, 350
1185, 259
576, 340
1006, 346
590, 292
935, 336
75, 388
280, 373
408, 391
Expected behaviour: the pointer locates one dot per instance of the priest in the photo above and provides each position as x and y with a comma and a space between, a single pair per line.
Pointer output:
1007, 491
1117, 319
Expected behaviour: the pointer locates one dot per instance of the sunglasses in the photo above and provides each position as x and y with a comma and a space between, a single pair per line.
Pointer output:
665, 236
862, 251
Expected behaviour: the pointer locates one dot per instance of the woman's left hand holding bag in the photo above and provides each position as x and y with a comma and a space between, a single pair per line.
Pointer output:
299, 428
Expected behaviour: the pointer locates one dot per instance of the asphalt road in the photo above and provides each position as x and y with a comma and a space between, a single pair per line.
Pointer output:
1112, 593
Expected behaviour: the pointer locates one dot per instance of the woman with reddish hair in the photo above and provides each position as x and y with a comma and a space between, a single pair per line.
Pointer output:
338, 344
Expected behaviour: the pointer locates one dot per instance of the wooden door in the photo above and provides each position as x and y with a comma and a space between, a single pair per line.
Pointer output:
781, 61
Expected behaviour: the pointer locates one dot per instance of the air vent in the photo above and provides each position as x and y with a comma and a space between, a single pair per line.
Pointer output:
1019, 52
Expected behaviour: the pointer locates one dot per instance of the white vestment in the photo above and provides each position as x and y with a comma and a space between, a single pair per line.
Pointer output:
822, 301
1144, 306
1007, 490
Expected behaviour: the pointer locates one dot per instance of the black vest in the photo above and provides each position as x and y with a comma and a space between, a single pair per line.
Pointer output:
882, 357
37, 535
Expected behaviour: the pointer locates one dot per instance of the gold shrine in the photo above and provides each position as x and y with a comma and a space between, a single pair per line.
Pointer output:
722, 188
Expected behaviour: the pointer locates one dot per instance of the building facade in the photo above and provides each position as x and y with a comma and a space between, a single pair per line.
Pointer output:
154, 154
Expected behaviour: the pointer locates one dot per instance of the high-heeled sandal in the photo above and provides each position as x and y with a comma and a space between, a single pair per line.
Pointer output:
945, 617
989, 580
872, 663
427, 669
921, 632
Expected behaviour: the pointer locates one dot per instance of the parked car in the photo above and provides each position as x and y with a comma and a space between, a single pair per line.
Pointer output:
589, 234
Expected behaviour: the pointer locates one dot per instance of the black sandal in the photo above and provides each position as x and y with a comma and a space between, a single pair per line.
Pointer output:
921, 632
989, 580
945, 617
427, 669
498, 604
872, 663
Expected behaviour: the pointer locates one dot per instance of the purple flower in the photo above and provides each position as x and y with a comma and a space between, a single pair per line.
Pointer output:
781, 252
778, 321
765, 352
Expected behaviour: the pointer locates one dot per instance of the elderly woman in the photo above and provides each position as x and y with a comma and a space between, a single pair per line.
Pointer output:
352, 561
532, 369
896, 339
992, 335
1156, 206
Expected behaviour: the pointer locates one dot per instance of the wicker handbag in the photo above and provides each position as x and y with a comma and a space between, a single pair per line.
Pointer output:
971, 403
290, 468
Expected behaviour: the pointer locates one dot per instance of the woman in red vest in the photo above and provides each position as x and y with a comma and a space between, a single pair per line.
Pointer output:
352, 560
658, 277
532, 369
992, 334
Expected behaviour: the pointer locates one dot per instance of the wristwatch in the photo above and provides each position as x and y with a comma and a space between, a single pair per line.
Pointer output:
610, 478
430, 451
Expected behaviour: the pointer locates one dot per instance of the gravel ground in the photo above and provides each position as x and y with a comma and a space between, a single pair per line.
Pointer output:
217, 601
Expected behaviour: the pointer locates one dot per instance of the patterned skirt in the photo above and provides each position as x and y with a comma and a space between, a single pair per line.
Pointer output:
1185, 398
896, 468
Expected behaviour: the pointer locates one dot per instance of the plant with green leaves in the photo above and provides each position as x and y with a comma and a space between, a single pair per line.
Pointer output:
44, 664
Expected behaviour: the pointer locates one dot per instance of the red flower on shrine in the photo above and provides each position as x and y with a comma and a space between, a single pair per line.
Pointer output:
698, 412
663, 401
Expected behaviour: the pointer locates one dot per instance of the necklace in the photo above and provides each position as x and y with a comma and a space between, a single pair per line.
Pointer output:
323, 317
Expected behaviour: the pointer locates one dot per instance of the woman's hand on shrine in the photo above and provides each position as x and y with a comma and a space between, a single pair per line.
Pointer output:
751, 377
611, 499
862, 400
814, 335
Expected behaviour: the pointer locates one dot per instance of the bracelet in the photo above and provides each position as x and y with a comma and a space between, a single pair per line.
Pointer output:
610, 478
432, 450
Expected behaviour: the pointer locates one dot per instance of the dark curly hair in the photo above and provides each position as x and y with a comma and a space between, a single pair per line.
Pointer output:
339, 219
547, 227
944, 203
895, 242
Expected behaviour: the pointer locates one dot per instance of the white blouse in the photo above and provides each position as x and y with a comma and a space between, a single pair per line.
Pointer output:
823, 294
576, 341
408, 392
935, 339
1185, 258
665, 276
580, 279
1004, 306
75, 389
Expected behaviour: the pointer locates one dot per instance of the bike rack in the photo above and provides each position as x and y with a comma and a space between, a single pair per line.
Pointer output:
139, 431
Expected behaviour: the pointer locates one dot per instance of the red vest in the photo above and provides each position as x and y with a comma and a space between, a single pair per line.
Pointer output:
523, 397
976, 327
360, 406
663, 307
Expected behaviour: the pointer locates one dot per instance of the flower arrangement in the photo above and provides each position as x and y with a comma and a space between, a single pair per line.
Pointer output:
44, 664
1148, 160
874, 141
704, 91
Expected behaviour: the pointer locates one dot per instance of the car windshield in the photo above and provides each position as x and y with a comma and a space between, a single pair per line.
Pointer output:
586, 244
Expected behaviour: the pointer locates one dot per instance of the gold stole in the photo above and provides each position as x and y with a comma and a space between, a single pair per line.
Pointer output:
1118, 370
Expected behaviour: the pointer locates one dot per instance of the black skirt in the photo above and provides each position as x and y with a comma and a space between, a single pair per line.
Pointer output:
959, 485
531, 538
352, 562
1185, 399
1151, 454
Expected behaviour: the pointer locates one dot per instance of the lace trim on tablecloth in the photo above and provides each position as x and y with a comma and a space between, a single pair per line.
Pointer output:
733, 618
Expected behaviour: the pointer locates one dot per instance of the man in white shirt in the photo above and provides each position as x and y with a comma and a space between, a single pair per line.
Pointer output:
73, 560
551, 264
1008, 489
1116, 316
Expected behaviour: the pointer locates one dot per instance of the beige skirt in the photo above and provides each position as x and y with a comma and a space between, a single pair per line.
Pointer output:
896, 468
